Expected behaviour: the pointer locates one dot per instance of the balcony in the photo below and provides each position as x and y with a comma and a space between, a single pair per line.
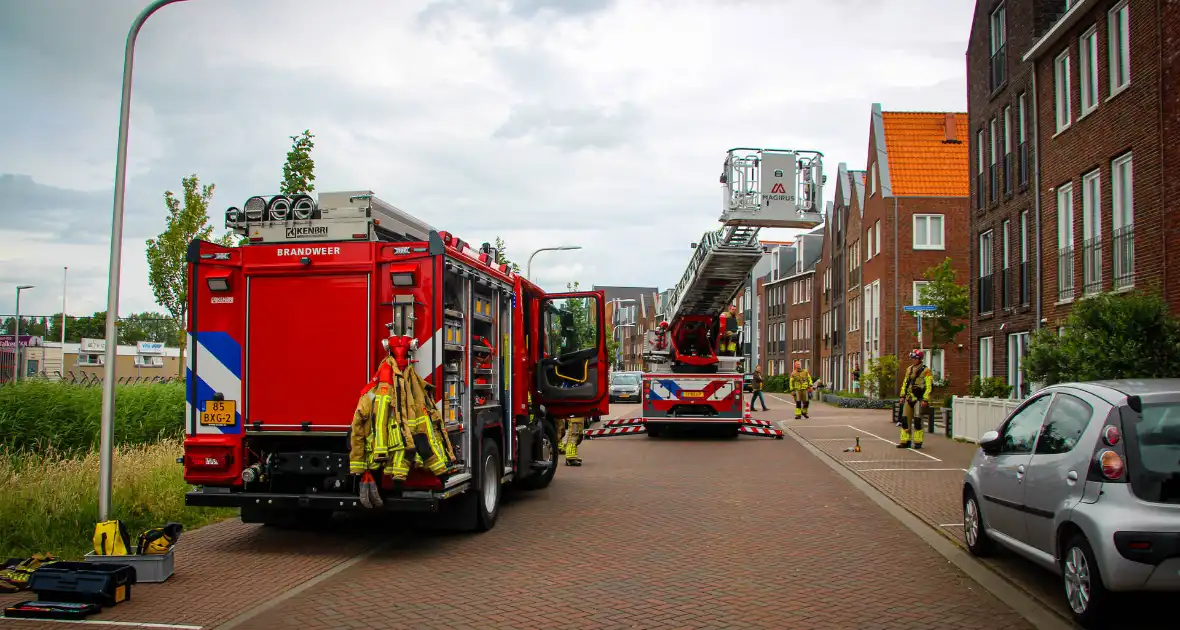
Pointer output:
1025, 158
1008, 174
1065, 286
1124, 257
986, 294
998, 68
1024, 284
1007, 287
1092, 266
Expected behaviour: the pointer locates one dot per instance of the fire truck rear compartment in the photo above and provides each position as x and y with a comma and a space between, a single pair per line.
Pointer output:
309, 345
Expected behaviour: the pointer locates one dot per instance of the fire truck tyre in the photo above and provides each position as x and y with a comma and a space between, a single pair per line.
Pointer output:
548, 449
490, 490
653, 430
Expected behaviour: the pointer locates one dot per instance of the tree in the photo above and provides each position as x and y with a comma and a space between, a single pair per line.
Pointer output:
299, 170
1128, 335
167, 271
502, 256
952, 300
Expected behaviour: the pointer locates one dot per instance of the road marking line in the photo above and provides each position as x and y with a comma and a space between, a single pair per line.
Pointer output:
840, 439
894, 469
99, 622
891, 442
877, 461
816, 426
951, 525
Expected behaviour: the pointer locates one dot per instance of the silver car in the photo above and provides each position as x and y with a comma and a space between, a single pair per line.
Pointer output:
624, 386
1084, 479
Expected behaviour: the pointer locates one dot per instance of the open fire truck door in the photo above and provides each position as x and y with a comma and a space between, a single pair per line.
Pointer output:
570, 353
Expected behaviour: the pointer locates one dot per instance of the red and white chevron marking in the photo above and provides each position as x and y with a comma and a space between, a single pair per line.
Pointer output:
757, 423
622, 422
762, 431
604, 432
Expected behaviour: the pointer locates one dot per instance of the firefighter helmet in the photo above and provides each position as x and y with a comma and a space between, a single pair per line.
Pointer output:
917, 354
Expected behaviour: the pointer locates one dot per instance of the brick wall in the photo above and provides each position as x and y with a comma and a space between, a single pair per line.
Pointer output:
1170, 141
1128, 121
854, 309
799, 344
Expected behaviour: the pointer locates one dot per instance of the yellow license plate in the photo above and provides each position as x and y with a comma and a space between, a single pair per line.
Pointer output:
219, 413
694, 394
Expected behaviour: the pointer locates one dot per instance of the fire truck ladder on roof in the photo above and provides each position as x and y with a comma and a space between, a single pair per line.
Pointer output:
762, 188
634, 426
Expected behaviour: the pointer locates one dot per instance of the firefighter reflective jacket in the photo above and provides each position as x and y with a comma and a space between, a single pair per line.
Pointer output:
918, 382
800, 380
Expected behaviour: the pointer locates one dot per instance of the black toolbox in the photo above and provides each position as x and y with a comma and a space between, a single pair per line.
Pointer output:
83, 582
50, 610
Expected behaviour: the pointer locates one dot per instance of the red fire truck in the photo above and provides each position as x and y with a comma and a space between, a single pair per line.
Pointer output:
284, 331
695, 381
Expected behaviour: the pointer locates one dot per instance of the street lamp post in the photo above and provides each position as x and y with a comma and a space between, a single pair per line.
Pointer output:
528, 270
106, 436
18, 364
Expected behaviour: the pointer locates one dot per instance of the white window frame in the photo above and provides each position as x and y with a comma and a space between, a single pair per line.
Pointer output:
918, 286
1061, 88
995, 144
89, 359
936, 361
1065, 235
1021, 132
877, 232
999, 29
1024, 237
1123, 206
1119, 46
1005, 251
1007, 130
986, 255
986, 357
1088, 70
941, 232
980, 138
1017, 347
1092, 205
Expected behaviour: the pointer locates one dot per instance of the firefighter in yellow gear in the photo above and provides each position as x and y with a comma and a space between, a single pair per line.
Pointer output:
730, 323
915, 391
800, 385
573, 437
560, 426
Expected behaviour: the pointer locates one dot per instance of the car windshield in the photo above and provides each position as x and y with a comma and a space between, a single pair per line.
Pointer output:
1153, 452
625, 379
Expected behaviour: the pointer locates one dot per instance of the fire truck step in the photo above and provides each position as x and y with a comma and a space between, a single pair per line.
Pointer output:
607, 432
762, 432
622, 422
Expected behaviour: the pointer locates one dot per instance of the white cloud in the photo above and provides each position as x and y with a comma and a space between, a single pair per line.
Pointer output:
588, 122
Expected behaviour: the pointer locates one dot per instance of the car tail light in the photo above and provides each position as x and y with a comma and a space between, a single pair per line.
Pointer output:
1112, 465
1111, 435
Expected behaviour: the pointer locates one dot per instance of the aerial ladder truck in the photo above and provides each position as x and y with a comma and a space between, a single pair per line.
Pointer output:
694, 381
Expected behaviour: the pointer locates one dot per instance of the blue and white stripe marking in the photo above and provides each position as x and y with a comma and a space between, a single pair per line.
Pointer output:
218, 357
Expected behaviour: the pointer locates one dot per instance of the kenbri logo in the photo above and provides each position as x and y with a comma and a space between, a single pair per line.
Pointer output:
314, 230
307, 251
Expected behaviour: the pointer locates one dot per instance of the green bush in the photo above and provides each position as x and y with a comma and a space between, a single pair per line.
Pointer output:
880, 377
49, 502
38, 415
991, 387
777, 383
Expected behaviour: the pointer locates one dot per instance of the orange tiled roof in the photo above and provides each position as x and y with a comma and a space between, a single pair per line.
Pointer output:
921, 162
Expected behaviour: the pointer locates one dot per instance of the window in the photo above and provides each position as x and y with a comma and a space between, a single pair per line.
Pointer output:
936, 361
869, 242
1064, 425
1061, 96
1091, 233
90, 359
979, 178
1007, 130
877, 231
872, 180
994, 171
1123, 222
1019, 433
1024, 269
998, 39
1065, 257
985, 357
986, 282
919, 286
1017, 350
1119, 43
928, 231
1005, 263
1021, 142
1088, 66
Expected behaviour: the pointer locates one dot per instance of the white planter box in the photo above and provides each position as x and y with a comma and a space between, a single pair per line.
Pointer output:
975, 416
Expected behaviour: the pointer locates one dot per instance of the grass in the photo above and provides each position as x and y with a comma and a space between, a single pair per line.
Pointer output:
49, 499
43, 416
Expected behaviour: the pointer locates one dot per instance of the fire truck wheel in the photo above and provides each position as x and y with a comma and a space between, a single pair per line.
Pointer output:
548, 455
653, 430
487, 505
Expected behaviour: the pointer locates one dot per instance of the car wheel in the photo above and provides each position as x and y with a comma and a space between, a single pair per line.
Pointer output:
978, 542
1084, 592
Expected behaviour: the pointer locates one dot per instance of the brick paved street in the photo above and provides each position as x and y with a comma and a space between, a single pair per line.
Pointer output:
669, 533
928, 483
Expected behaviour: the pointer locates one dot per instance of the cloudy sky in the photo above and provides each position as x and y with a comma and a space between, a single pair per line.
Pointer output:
600, 123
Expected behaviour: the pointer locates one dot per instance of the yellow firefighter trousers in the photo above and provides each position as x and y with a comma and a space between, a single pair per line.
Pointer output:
573, 439
561, 429
802, 402
911, 430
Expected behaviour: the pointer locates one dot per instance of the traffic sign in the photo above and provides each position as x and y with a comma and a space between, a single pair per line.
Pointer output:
920, 307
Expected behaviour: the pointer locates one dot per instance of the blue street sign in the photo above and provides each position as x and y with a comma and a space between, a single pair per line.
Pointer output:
920, 307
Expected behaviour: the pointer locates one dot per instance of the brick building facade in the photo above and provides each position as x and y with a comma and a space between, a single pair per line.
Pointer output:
915, 216
838, 298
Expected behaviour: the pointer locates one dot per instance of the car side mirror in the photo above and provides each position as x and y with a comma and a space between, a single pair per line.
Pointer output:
990, 442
